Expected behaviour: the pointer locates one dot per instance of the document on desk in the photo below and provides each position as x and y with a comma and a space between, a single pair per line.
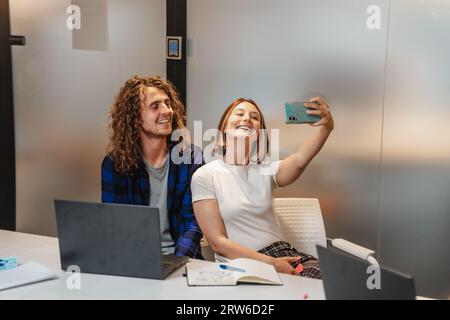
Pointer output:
231, 273
26, 273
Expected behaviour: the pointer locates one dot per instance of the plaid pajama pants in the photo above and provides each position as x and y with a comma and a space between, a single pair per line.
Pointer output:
284, 249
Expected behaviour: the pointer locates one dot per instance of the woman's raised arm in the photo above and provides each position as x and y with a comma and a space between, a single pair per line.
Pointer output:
293, 166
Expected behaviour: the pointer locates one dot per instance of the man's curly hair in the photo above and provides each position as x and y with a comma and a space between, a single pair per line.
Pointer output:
125, 120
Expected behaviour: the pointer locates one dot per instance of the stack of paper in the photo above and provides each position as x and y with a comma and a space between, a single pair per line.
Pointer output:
29, 272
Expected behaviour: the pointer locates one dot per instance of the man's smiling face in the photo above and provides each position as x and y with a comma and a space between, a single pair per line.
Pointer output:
156, 112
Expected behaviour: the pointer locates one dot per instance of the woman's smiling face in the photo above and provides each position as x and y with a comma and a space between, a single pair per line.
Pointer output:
244, 120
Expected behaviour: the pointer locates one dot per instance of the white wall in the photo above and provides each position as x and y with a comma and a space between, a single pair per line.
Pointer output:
415, 180
292, 50
62, 97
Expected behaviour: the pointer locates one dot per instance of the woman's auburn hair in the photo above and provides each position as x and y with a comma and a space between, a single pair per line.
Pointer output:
125, 120
221, 145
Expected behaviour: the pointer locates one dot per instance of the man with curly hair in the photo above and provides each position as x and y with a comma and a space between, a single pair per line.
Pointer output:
141, 166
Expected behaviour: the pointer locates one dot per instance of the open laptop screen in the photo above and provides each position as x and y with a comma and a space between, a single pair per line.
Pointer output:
112, 239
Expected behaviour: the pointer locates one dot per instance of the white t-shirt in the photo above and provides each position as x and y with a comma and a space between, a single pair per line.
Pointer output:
244, 196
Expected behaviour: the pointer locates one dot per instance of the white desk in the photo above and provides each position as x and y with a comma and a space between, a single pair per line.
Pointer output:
44, 250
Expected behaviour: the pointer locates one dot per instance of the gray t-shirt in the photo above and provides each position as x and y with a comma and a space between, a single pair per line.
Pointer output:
158, 199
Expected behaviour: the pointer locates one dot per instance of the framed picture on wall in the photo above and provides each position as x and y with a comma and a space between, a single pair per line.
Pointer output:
174, 48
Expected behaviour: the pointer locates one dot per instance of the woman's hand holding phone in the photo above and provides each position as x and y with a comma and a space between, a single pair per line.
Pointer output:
315, 112
319, 107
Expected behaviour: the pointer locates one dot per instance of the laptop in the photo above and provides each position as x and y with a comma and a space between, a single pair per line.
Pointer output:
113, 239
345, 277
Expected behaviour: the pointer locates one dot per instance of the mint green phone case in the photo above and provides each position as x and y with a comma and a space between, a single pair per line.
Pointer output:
295, 113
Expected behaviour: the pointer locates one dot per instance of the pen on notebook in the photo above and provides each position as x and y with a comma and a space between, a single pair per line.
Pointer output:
226, 267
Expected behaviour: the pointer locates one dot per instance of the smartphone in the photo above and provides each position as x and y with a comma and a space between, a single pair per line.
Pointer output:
295, 113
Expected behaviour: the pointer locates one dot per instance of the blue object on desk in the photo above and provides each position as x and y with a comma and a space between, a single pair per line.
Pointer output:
7, 263
226, 267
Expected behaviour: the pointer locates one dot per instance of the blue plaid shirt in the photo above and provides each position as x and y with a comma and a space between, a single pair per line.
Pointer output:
134, 189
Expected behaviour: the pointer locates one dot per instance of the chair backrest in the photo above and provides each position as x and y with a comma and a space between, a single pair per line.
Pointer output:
301, 221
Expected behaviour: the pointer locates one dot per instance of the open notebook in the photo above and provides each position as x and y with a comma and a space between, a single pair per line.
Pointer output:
231, 273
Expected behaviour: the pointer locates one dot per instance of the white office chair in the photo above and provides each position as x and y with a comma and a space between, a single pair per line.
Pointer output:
302, 224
